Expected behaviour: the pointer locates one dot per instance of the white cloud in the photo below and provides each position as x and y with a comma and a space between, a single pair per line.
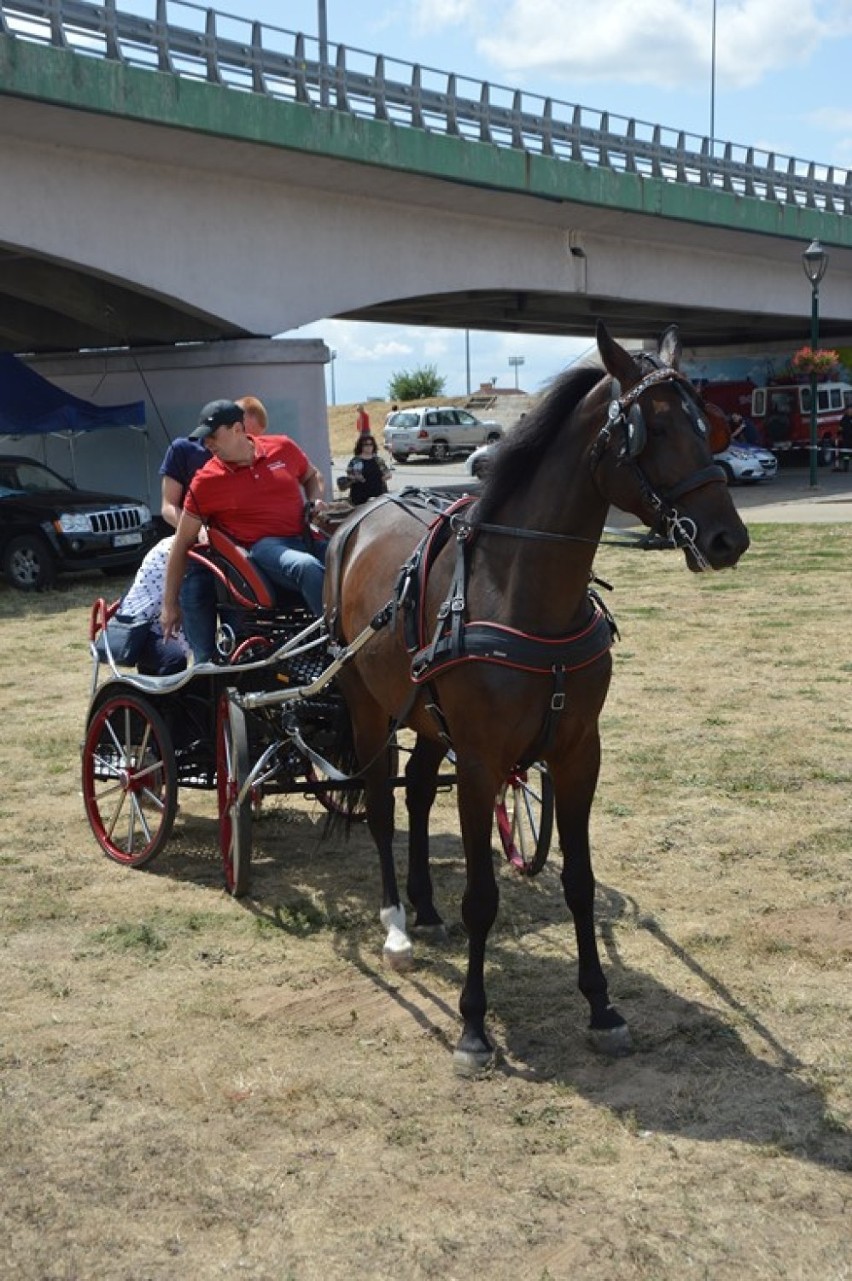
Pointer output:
665, 43
388, 349
428, 15
361, 343
436, 342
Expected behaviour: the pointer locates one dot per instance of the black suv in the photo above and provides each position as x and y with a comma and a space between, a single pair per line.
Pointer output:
47, 526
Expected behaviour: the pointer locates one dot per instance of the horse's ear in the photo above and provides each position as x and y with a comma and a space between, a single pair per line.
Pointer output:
617, 362
670, 350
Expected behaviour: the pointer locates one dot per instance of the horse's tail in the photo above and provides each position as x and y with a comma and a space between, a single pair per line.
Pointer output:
344, 803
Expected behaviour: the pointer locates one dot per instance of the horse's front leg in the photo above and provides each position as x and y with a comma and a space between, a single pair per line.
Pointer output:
370, 733
421, 784
476, 791
574, 792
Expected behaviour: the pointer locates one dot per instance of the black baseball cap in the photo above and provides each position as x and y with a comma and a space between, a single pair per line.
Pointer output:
219, 413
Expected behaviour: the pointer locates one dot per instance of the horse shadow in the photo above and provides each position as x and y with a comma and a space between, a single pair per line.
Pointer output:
698, 1070
709, 1072
297, 855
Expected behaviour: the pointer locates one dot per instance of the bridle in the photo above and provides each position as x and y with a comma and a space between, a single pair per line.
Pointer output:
625, 416
625, 424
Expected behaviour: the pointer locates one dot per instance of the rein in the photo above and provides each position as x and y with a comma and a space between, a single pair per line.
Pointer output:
466, 529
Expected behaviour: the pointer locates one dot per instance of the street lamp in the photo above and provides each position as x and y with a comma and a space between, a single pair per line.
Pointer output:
516, 361
713, 80
322, 28
333, 358
814, 262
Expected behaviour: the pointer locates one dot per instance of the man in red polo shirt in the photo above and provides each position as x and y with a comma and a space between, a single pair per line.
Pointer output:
254, 488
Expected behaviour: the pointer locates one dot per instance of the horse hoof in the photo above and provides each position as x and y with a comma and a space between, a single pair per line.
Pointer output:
614, 1042
400, 960
472, 1063
436, 935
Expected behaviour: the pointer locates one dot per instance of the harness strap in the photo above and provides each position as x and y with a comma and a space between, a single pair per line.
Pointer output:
436, 711
548, 730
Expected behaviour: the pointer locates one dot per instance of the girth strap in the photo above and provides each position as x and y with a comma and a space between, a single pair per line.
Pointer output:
548, 730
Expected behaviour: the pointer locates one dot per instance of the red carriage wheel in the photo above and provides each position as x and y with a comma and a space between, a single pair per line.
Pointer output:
524, 813
129, 778
232, 770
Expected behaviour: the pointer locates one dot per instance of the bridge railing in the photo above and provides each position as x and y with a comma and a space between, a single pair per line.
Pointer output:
255, 57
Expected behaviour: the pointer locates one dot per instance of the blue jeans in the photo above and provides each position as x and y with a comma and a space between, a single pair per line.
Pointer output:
198, 607
160, 657
287, 563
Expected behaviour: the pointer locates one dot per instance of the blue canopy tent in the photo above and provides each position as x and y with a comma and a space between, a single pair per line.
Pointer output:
32, 406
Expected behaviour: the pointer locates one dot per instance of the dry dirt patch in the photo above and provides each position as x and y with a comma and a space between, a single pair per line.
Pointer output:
193, 1087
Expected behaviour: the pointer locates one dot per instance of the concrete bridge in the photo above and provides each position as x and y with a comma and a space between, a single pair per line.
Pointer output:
194, 178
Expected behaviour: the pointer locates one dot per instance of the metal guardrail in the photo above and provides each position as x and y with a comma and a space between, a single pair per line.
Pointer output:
258, 58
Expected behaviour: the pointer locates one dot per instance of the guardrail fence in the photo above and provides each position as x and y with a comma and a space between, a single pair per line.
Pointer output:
254, 57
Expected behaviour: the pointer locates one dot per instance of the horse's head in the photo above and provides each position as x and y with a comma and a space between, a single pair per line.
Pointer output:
653, 455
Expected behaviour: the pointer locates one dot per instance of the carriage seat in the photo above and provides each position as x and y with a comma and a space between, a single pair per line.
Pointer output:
254, 615
240, 581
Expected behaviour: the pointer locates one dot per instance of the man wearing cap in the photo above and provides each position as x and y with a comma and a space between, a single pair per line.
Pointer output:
254, 488
183, 458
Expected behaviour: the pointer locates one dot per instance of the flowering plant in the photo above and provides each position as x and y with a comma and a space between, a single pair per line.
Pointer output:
813, 360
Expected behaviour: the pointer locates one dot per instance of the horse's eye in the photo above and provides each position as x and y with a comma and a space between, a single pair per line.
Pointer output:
701, 426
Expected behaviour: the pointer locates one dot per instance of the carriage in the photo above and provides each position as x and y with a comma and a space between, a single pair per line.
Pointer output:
266, 718
477, 629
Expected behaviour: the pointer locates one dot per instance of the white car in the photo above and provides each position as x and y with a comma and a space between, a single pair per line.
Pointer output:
747, 464
438, 432
476, 463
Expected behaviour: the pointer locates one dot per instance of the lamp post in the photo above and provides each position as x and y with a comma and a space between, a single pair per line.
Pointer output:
713, 80
814, 262
331, 366
322, 26
516, 361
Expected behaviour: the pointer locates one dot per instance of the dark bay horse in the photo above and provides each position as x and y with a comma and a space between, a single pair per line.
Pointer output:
496, 646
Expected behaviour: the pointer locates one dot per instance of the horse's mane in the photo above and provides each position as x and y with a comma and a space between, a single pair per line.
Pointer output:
518, 454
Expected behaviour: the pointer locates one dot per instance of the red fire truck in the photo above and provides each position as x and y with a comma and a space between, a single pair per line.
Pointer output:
781, 412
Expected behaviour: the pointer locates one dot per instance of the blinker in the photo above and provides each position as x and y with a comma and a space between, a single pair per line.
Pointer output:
635, 432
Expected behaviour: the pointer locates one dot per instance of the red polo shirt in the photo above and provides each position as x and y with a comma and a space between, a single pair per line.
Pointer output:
257, 501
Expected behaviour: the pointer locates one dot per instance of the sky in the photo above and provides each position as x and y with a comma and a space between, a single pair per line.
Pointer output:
780, 81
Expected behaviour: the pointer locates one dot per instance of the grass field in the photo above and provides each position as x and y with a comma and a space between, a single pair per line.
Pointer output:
194, 1087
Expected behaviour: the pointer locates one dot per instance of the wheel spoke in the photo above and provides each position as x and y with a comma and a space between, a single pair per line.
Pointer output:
138, 812
524, 813
110, 828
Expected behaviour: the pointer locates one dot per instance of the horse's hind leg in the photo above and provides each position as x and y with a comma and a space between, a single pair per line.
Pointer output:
421, 784
608, 1031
